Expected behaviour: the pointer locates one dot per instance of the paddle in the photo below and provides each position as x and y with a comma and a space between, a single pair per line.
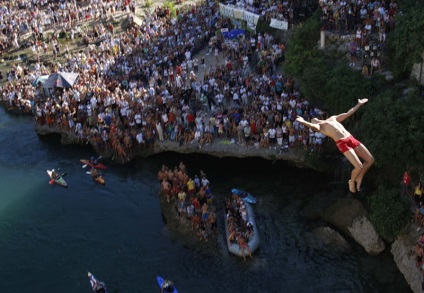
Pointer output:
85, 166
88, 172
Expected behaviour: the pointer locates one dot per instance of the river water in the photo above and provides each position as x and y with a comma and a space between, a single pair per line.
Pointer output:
51, 236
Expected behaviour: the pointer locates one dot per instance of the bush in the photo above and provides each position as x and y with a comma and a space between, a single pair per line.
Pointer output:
389, 212
171, 6
392, 128
148, 3
301, 51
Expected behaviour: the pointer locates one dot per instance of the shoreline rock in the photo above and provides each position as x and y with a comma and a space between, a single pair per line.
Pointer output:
403, 253
350, 217
217, 149
331, 237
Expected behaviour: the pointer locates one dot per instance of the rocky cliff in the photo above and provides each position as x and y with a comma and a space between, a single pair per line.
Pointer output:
350, 216
219, 148
403, 250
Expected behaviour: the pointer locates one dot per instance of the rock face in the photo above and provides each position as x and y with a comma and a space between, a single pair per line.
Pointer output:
219, 148
404, 256
350, 217
331, 237
365, 234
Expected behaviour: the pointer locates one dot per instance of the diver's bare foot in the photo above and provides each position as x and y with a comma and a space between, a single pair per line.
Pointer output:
352, 186
358, 185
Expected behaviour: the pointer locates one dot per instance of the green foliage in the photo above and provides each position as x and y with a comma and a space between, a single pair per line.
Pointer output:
147, 3
392, 129
389, 212
406, 42
171, 6
263, 27
301, 51
335, 88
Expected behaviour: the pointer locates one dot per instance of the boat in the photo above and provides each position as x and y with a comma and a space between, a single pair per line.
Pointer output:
246, 196
59, 180
96, 285
100, 179
253, 242
160, 283
97, 166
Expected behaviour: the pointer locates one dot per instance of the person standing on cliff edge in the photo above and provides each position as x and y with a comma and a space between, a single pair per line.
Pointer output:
351, 148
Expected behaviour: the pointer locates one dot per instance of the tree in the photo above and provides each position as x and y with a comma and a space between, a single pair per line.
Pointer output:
389, 213
406, 42
391, 127
335, 87
301, 51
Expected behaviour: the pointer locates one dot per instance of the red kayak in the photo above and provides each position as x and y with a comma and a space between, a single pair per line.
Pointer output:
97, 166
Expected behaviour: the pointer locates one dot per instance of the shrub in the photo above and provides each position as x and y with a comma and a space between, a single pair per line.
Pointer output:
171, 6
388, 212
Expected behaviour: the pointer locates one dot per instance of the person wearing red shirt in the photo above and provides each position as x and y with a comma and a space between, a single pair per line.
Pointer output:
406, 182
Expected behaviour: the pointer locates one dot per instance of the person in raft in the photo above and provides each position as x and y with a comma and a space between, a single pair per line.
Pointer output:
351, 148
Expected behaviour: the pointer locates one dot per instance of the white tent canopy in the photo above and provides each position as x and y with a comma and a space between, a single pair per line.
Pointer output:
60, 79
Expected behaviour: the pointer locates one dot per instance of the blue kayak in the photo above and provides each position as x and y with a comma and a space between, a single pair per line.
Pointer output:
170, 289
246, 196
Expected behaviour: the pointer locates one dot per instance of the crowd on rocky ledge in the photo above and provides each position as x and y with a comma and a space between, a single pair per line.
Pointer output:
141, 86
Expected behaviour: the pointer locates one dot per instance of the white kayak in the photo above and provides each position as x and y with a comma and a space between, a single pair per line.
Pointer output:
59, 180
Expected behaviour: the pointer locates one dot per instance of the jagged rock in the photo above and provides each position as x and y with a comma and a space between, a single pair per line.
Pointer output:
216, 149
349, 216
331, 237
364, 233
404, 256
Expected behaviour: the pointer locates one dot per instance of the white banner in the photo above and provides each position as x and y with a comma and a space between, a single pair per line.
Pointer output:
238, 13
226, 10
137, 20
250, 17
279, 24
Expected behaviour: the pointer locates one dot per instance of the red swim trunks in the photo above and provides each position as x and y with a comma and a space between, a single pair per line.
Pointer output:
347, 143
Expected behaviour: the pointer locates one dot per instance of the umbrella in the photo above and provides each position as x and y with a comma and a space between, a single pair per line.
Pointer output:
233, 34
61, 79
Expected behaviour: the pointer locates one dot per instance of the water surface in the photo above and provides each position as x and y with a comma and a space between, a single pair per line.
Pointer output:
51, 236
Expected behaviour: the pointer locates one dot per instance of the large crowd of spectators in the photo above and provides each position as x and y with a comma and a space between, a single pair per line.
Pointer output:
370, 16
192, 198
141, 86
369, 21
20, 18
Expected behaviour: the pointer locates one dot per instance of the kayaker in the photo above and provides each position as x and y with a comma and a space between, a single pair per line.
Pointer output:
167, 286
97, 286
55, 175
94, 173
100, 288
93, 161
